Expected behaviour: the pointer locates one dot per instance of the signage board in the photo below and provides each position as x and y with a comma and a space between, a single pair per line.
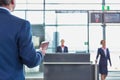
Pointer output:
110, 17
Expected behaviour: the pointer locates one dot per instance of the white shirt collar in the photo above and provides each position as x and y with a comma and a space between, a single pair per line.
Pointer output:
5, 9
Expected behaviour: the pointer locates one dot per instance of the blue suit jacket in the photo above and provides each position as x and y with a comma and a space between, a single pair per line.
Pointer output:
103, 58
59, 49
16, 47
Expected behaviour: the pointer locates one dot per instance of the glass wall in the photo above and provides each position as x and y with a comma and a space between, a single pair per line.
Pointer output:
68, 25
113, 41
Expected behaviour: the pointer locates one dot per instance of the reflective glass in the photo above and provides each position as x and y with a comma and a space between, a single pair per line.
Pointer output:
20, 14
73, 1
21, 1
72, 18
35, 1
35, 17
73, 7
113, 44
50, 17
75, 37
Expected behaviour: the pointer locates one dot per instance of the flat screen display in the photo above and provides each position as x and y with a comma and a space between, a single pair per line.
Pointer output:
112, 17
96, 18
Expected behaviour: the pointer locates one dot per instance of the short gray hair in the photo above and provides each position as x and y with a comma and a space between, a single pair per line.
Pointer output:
5, 2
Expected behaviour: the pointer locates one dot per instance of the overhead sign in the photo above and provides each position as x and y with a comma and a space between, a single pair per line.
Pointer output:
96, 18
110, 17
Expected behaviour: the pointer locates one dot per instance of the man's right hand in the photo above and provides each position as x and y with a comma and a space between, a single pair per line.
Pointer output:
43, 51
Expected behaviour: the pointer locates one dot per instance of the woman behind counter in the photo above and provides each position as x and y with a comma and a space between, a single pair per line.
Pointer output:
62, 48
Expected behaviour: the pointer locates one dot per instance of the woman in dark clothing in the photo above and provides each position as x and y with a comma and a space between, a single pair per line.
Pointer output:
104, 56
62, 48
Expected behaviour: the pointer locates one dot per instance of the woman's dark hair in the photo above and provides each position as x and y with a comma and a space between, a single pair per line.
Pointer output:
101, 41
4, 2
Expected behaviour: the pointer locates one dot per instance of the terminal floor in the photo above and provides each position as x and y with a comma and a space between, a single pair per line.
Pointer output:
112, 75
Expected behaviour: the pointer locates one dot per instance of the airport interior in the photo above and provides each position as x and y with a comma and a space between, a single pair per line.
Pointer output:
82, 24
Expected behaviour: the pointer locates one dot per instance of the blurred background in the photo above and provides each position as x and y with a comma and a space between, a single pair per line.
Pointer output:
53, 20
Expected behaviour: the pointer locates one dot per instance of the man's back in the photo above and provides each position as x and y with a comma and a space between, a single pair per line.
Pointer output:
16, 47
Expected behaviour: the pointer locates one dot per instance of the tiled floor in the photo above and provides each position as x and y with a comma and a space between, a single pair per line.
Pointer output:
34, 76
112, 75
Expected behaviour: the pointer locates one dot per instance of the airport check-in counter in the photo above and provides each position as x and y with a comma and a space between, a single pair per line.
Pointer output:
59, 66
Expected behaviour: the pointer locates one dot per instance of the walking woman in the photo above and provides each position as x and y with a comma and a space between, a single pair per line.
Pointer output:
104, 54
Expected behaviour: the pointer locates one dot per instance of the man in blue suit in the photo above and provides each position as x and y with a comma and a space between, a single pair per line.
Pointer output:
16, 47
62, 48
104, 54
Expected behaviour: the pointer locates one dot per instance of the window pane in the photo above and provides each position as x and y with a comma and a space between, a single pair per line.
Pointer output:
95, 34
35, 6
73, 1
74, 7
20, 14
20, 1
50, 17
35, 17
20, 7
75, 37
50, 36
112, 1
113, 6
35, 1
113, 41
72, 18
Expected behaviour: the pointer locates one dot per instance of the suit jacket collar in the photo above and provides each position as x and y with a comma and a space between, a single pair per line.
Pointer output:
4, 10
104, 51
